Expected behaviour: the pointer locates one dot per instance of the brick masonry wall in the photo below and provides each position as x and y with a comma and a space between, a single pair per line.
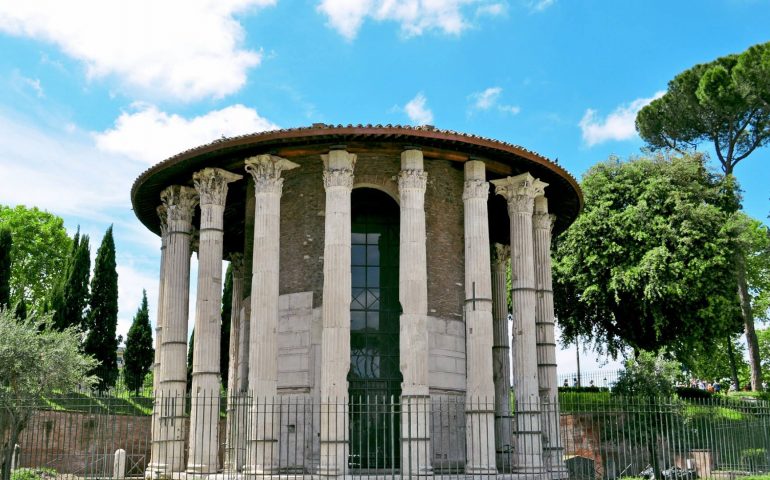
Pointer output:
302, 227
85, 444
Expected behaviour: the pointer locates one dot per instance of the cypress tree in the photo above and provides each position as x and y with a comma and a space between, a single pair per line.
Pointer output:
70, 296
139, 353
190, 349
227, 306
6, 242
101, 341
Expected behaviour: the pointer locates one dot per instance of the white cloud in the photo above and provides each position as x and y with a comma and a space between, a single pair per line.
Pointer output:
417, 110
186, 49
489, 98
151, 135
540, 5
618, 125
414, 16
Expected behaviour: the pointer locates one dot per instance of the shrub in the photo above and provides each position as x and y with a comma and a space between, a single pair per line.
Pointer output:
33, 474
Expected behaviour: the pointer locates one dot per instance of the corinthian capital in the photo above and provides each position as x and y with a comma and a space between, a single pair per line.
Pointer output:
520, 191
338, 168
543, 221
412, 179
163, 216
211, 184
266, 172
236, 262
180, 202
500, 253
476, 188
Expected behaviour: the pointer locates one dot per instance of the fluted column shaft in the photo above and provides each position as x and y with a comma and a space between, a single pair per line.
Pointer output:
520, 192
180, 203
263, 353
158, 338
235, 422
480, 391
335, 337
211, 184
546, 339
413, 325
501, 359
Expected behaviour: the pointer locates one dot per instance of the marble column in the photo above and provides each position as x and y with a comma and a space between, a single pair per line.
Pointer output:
262, 457
335, 337
520, 192
233, 459
211, 184
151, 467
180, 202
501, 351
480, 388
413, 324
553, 452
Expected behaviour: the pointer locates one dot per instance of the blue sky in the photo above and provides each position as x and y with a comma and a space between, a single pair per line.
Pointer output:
94, 92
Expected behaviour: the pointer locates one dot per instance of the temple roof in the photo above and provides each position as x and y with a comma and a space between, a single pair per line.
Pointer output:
501, 159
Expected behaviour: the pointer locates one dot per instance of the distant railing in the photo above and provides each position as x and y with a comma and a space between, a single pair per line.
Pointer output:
603, 437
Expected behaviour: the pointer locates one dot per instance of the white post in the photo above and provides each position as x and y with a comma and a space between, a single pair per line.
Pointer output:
263, 356
520, 192
546, 341
501, 359
413, 325
119, 465
211, 184
335, 337
233, 459
480, 390
162, 215
180, 202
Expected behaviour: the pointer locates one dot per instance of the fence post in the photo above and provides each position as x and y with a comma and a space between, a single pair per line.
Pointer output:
119, 465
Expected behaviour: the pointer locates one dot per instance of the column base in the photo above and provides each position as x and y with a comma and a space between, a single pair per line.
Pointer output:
477, 470
155, 471
201, 469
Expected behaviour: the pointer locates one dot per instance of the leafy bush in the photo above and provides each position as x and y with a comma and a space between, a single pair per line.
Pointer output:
33, 474
753, 458
648, 375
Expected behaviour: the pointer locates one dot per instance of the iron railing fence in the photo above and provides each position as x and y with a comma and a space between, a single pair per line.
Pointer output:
602, 437
600, 379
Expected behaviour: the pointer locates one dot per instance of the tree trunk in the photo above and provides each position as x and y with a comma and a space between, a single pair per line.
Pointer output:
752, 343
733, 364
7, 454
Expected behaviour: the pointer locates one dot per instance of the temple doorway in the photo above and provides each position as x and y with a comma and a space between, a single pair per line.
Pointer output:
374, 380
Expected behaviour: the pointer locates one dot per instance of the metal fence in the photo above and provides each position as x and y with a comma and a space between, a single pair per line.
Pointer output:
600, 379
603, 437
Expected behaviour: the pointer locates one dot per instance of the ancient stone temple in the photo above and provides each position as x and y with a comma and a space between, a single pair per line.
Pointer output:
370, 321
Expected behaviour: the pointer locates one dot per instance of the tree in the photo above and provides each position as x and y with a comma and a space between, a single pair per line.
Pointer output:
39, 258
6, 243
70, 297
763, 337
227, 307
647, 264
34, 362
190, 350
648, 375
139, 353
724, 102
101, 341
